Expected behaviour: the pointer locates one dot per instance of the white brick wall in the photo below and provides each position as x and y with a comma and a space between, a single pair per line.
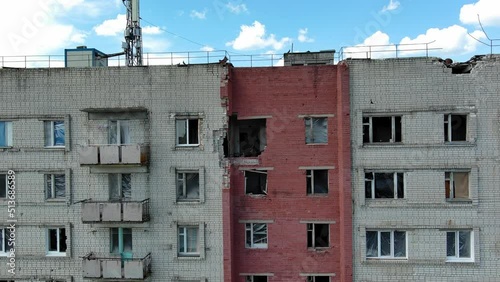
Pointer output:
30, 95
422, 91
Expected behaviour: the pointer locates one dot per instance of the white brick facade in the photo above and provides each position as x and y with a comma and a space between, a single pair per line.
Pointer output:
422, 91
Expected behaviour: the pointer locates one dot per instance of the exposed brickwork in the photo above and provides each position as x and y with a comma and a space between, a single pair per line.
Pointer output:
288, 94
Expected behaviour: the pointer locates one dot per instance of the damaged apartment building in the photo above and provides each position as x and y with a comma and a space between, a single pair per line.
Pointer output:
425, 169
287, 207
117, 170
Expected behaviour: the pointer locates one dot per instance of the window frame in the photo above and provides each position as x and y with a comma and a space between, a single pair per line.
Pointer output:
57, 253
310, 187
53, 190
449, 177
257, 171
312, 278
379, 245
394, 129
250, 230
251, 278
4, 247
186, 126
311, 235
184, 172
373, 182
448, 127
119, 182
456, 257
184, 233
120, 124
114, 231
8, 133
309, 130
4, 191
52, 132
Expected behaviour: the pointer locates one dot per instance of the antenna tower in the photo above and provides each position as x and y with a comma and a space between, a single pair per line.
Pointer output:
133, 34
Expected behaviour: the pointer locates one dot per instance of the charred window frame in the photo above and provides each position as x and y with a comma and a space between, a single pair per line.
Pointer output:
318, 235
188, 185
316, 130
460, 246
317, 181
457, 185
455, 127
382, 129
187, 131
384, 185
386, 244
256, 182
256, 235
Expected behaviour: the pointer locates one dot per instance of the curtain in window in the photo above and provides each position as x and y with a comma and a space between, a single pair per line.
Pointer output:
320, 130
124, 132
60, 185
371, 244
461, 181
464, 244
180, 126
58, 133
3, 135
126, 186
192, 185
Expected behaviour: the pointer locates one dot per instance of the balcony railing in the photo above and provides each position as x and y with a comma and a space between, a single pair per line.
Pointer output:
116, 268
108, 212
130, 154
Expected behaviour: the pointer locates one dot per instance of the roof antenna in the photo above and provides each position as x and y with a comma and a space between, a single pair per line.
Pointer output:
490, 39
133, 34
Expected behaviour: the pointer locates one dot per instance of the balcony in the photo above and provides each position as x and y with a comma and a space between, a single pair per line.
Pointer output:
130, 154
116, 269
113, 212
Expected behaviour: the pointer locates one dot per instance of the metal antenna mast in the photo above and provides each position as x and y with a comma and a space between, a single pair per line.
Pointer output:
133, 34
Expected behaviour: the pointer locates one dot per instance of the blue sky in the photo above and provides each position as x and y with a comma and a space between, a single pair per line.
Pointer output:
47, 27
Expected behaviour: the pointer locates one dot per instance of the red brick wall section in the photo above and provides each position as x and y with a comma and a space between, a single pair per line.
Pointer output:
285, 93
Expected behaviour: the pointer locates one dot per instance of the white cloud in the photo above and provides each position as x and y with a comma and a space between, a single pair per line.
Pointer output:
255, 37
393, 5
112, 27
303, 36
453, 40
35, 27
207, 48
151, 30
488, 10
236, 8
363, 51
199, 15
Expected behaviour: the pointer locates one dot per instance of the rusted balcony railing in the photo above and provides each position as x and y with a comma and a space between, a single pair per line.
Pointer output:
111, 154
102, 269
108, 212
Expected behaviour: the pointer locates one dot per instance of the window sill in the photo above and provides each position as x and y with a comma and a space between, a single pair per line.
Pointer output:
318, 249
317, 144
256, 248
256, 195
188, 147
460, 261
56, 201
57, 255
186, 202
373, 260
426, 145
189, 257
459, 201
318, 195
55, 148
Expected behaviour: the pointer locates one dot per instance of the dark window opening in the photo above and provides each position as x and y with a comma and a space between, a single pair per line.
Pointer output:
318, 235
382, 129
384, 185
247, 138
256, 182
317, 181
455, 128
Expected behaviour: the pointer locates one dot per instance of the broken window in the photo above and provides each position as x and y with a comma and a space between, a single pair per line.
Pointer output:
3, 186
318, 278
119, 132
456, 185
121, 241
188, 186
256, 182
382, 129
55, 186
5, 133
187, 132
189, 241
4, 240
317, 181
56, 242
386, 244
455, 128
318, 235
316, 130
256, 278
256, 235
54, 133
459, 245
120, 187
384, 185
247, 137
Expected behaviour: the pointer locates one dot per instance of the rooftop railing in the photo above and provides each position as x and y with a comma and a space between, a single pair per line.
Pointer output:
386, 51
